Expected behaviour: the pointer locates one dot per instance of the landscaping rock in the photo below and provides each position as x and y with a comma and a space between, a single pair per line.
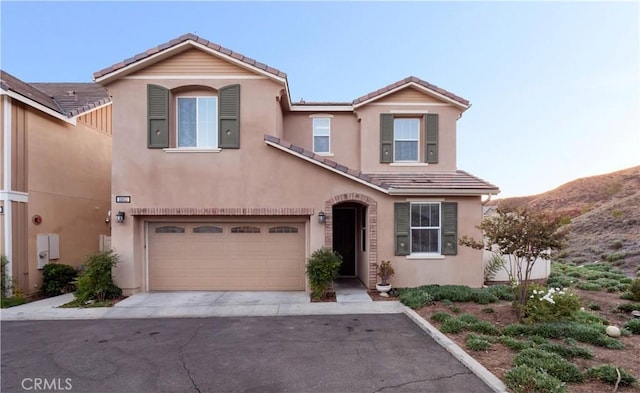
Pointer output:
613, 331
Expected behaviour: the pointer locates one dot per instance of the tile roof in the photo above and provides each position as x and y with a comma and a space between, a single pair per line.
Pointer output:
183, 38
67, 99
457, 181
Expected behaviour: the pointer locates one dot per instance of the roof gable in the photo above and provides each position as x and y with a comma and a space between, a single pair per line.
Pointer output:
417, 84
182, 44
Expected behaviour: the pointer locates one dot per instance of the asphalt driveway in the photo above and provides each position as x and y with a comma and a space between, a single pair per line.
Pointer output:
335, 353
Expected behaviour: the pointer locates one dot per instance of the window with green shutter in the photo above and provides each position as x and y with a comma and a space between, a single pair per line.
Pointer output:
401, 136
229, 117
424, 228
157, 117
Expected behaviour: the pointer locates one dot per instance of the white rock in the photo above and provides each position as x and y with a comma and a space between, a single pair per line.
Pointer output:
613, 331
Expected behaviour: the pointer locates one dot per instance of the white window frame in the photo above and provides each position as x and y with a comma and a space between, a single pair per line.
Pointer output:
196, 148
417, 140
439, 228
317, 128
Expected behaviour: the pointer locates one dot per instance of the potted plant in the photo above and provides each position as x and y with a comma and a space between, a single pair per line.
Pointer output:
385, 272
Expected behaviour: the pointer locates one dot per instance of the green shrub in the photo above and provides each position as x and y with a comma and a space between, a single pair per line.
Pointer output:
627, 295
468, 318
7, 287
516, 345
590, 334
525, 379
56, 278
559, 280
589, 286
634, 288
549, 305
552, 363
322, 268
440, 316
628, 307
607, 373
589, 318
594, 306
633, 326
453, 325
484, 327
488, 310
567, 351
96, 283
476, 343
414, 297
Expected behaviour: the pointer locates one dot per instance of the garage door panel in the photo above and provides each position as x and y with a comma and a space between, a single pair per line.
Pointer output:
226, 256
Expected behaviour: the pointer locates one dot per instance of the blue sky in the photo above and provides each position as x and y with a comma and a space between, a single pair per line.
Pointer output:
554, 86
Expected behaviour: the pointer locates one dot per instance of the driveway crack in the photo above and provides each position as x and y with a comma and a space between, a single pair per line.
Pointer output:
421, 380
184, 364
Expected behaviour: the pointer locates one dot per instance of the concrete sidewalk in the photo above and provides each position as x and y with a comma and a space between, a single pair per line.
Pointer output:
197, 304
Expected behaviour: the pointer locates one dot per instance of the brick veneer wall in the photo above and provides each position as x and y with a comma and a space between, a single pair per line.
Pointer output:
216, 211
372, 228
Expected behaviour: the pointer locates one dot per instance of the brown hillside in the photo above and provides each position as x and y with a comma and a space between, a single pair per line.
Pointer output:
605, 213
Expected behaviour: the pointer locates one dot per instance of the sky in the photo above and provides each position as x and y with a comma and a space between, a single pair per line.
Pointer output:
554, 86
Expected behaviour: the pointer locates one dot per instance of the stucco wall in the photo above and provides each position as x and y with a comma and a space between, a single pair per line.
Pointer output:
69, 187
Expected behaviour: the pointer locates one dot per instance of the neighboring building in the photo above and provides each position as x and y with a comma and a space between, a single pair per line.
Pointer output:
55, 174
228, 185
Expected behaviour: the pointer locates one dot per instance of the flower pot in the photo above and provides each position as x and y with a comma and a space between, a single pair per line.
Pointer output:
383, 288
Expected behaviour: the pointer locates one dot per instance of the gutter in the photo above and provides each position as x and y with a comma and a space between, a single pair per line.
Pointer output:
38, 106
438, 192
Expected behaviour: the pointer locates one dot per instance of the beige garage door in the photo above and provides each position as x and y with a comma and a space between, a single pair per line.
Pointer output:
226, 256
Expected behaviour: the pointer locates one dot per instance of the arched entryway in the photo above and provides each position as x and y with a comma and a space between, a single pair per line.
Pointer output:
350, 229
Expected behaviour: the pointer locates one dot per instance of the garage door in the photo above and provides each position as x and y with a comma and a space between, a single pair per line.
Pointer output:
226, 256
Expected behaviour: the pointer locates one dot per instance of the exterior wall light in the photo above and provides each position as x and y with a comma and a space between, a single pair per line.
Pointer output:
120, 217
322, 218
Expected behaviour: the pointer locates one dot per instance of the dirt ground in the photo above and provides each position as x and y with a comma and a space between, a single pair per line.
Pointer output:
499, 359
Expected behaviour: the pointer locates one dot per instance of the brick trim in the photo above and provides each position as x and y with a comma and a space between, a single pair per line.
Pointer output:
217, 211
372, 228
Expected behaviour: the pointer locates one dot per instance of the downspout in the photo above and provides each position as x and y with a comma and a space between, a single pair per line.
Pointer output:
6, 132
487, 201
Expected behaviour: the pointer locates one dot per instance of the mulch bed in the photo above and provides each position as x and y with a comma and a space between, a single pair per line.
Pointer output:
329, 297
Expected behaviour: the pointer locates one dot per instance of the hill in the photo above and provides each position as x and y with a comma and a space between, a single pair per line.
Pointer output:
605, 217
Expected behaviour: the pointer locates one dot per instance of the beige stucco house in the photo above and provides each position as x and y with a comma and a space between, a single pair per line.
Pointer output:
55, 170
225, 184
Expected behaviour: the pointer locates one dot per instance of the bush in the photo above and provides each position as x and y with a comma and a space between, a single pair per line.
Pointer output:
552, 363
476, 343
440, 316
96, 283
549, 305
567, 352
635, 289
484, 327
525, 379
414, 297
628, 307
607, 373
56, 278
453, 325
322, 268
633, 326
590, 334
7, 286
502, 292
589, 286
594, 306
468, 318
516, 345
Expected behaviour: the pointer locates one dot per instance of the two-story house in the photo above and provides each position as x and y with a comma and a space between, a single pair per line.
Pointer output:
55, 169
223, 183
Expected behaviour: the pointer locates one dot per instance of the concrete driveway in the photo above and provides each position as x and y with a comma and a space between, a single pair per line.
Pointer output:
320, 353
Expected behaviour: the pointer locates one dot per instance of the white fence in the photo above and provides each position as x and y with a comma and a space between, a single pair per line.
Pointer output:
541, 267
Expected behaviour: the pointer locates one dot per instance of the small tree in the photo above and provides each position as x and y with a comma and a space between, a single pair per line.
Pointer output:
323, 267
96, 282
522, 236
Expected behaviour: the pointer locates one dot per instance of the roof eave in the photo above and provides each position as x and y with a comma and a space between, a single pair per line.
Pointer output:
116, 74
321, 108
38, 106
443, 191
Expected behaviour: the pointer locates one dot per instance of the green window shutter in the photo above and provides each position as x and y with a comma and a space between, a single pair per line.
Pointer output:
401, 215
157, 117
386, 137
229, 117
431, 139
449, 228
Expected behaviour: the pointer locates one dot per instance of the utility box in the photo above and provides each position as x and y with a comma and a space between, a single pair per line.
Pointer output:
48, 248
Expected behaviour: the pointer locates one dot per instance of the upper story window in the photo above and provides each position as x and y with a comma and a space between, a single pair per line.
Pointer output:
321, 134
197, 122
406, 139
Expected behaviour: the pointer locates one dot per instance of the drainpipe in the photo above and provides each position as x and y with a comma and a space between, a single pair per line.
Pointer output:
6, 131
487, 201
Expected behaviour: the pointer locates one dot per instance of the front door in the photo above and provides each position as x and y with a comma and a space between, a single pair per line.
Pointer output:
344, 239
